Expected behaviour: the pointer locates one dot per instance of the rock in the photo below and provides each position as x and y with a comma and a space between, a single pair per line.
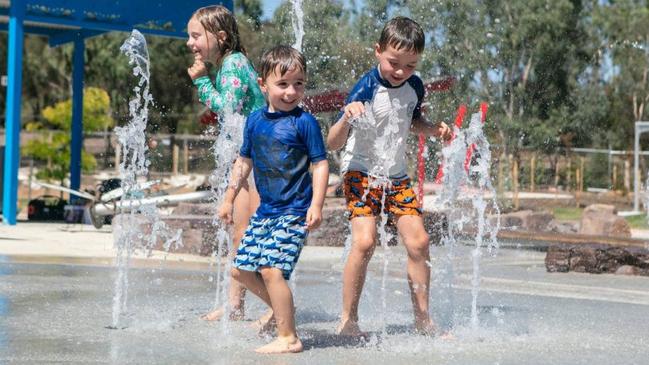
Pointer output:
557, 259
563, 227
512, 220
600, 208
602, 220
334, 229
436, 224
584, 259
627, 270
527, 220
538, 221
597, 258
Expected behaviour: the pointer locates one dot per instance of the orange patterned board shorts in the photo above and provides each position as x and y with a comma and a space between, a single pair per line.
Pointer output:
400, 198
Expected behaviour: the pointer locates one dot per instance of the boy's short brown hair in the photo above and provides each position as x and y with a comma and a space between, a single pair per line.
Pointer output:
285, 57
403, 33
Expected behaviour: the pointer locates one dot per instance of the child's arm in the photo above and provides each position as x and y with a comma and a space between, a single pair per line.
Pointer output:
240, 172
340, 130
233, 88
439, 130
320, 180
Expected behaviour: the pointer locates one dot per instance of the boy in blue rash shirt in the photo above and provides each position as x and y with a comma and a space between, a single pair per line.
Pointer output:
280, 142
394, 95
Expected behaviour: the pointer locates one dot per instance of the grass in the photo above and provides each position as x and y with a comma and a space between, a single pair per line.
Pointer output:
567, 214
638, 221
574, 214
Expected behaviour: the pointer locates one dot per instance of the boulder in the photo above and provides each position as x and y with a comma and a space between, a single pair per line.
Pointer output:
527, 220
334, 229
627, 270
563, 227
557, 259
597, 259
602, 220
600, 209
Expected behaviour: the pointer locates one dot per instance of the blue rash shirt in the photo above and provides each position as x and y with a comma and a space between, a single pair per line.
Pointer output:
282, 146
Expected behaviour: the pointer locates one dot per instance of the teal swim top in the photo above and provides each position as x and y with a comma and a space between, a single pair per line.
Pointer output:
232, 88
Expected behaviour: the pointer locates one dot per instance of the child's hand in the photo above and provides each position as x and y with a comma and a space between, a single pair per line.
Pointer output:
313, 218
198, 69
444, 132
353, 110
225, 212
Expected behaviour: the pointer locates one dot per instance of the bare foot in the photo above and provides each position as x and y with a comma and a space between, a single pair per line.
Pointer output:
281, 346
350, 328
428, 328
217, 314
265, 324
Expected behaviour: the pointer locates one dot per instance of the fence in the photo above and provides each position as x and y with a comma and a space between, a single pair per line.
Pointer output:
578, 169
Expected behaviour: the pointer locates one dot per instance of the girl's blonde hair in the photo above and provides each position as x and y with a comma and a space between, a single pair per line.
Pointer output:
216, 18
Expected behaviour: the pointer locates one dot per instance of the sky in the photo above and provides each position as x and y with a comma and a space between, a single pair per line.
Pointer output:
269, 7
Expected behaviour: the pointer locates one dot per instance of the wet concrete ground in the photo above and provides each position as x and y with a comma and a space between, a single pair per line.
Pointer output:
59, 313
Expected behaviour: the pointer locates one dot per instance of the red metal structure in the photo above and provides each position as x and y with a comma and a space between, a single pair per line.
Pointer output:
334, 100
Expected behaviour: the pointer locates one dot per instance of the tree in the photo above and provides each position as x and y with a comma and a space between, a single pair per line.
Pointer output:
249, 11
624, 26
336, 58
56, 149
523, 57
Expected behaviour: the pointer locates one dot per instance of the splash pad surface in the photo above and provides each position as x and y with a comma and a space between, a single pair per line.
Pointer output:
57, 309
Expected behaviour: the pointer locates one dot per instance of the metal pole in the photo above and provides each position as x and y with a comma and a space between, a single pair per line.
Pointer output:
636, 177
12, 112
76, 132
610, 165
640, 127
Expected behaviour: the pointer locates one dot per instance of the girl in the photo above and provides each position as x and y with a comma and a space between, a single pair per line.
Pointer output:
227, 83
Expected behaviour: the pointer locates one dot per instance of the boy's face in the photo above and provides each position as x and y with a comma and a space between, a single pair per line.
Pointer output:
284, 92
396, 65
203, 44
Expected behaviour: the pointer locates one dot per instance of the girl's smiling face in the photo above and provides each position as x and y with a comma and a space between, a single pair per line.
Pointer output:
203, 44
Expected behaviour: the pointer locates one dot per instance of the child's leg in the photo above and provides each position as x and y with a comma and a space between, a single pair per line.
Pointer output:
281, 299
252, 281
363, 244
241, 217
415, 238
236, 291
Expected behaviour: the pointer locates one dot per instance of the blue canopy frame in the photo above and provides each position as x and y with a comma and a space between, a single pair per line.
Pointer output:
64, 21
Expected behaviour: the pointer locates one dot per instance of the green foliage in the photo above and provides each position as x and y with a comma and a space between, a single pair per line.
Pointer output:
55, 149
557, 74
96, 113
249, 11
624, 26
597, 173
336, 57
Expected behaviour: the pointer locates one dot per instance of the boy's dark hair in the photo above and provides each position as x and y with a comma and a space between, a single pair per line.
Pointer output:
285, 57
403, 33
